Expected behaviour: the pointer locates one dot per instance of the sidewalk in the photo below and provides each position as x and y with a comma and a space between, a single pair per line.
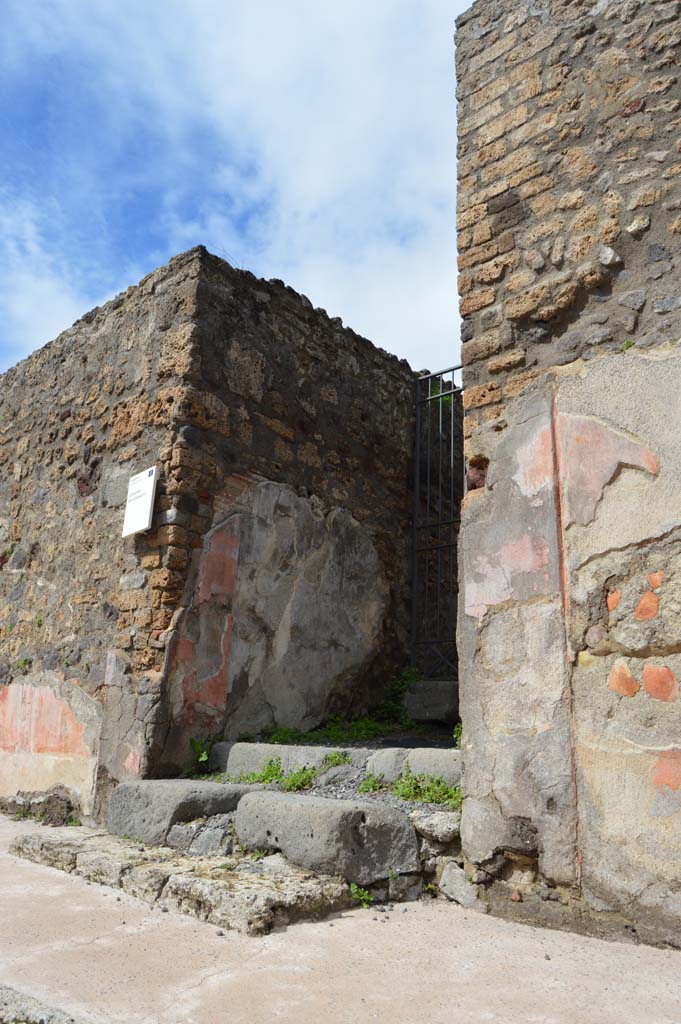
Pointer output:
101, 956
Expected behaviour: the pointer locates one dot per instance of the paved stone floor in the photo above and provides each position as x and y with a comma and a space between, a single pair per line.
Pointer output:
101, 956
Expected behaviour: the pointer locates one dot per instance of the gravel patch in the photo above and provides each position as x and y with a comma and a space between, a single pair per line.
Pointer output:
16, 1008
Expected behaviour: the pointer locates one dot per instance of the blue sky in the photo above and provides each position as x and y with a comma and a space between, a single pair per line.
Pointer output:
305, 140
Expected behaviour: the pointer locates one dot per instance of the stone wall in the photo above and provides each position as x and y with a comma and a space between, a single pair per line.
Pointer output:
283, 444
570, 240
319, 591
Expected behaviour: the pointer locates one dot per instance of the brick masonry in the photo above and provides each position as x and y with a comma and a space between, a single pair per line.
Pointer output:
570, 244
230, 384
569, 213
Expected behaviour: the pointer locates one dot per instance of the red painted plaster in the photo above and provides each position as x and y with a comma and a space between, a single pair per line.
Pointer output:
34, 719
219, 564
535, 463
526, 554
613, 599
133, 762
590, 455
655, 579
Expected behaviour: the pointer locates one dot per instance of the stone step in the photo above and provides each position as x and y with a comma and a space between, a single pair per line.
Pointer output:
240, 759
363, 841
433, 700
147, 809
266, 857
239, 893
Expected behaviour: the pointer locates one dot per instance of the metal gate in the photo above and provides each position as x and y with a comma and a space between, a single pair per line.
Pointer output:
438, 487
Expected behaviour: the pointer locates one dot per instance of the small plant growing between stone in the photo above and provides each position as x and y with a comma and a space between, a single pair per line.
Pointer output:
427, 789
201, 751
629, 343
457, 733
335, 759
270, 772
296, 780
371, 783
301, 778
74, 822
361, 895
257, 855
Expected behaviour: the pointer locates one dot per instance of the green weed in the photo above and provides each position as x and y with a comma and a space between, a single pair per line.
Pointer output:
301, 778
335, 759
201, 750
361, 895
427, 789
371, 783
270, 772
457, 733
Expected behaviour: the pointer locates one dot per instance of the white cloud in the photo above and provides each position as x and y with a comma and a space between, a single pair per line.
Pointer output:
311, 142
36, 297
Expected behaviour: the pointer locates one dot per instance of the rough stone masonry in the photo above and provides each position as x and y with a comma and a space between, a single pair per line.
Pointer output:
569, 228
272, 587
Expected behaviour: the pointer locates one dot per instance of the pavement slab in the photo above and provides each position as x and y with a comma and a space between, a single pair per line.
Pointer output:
102, 957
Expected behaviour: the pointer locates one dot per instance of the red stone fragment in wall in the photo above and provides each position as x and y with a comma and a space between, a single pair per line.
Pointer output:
660, 682
476, 473
621, 680
655, 579
631, 108
668, 770
613, 599
647, 607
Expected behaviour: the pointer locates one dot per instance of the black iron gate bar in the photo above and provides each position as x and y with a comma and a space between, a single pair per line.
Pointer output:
435, 523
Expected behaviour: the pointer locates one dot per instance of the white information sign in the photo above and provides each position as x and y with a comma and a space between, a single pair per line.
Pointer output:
139, 508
